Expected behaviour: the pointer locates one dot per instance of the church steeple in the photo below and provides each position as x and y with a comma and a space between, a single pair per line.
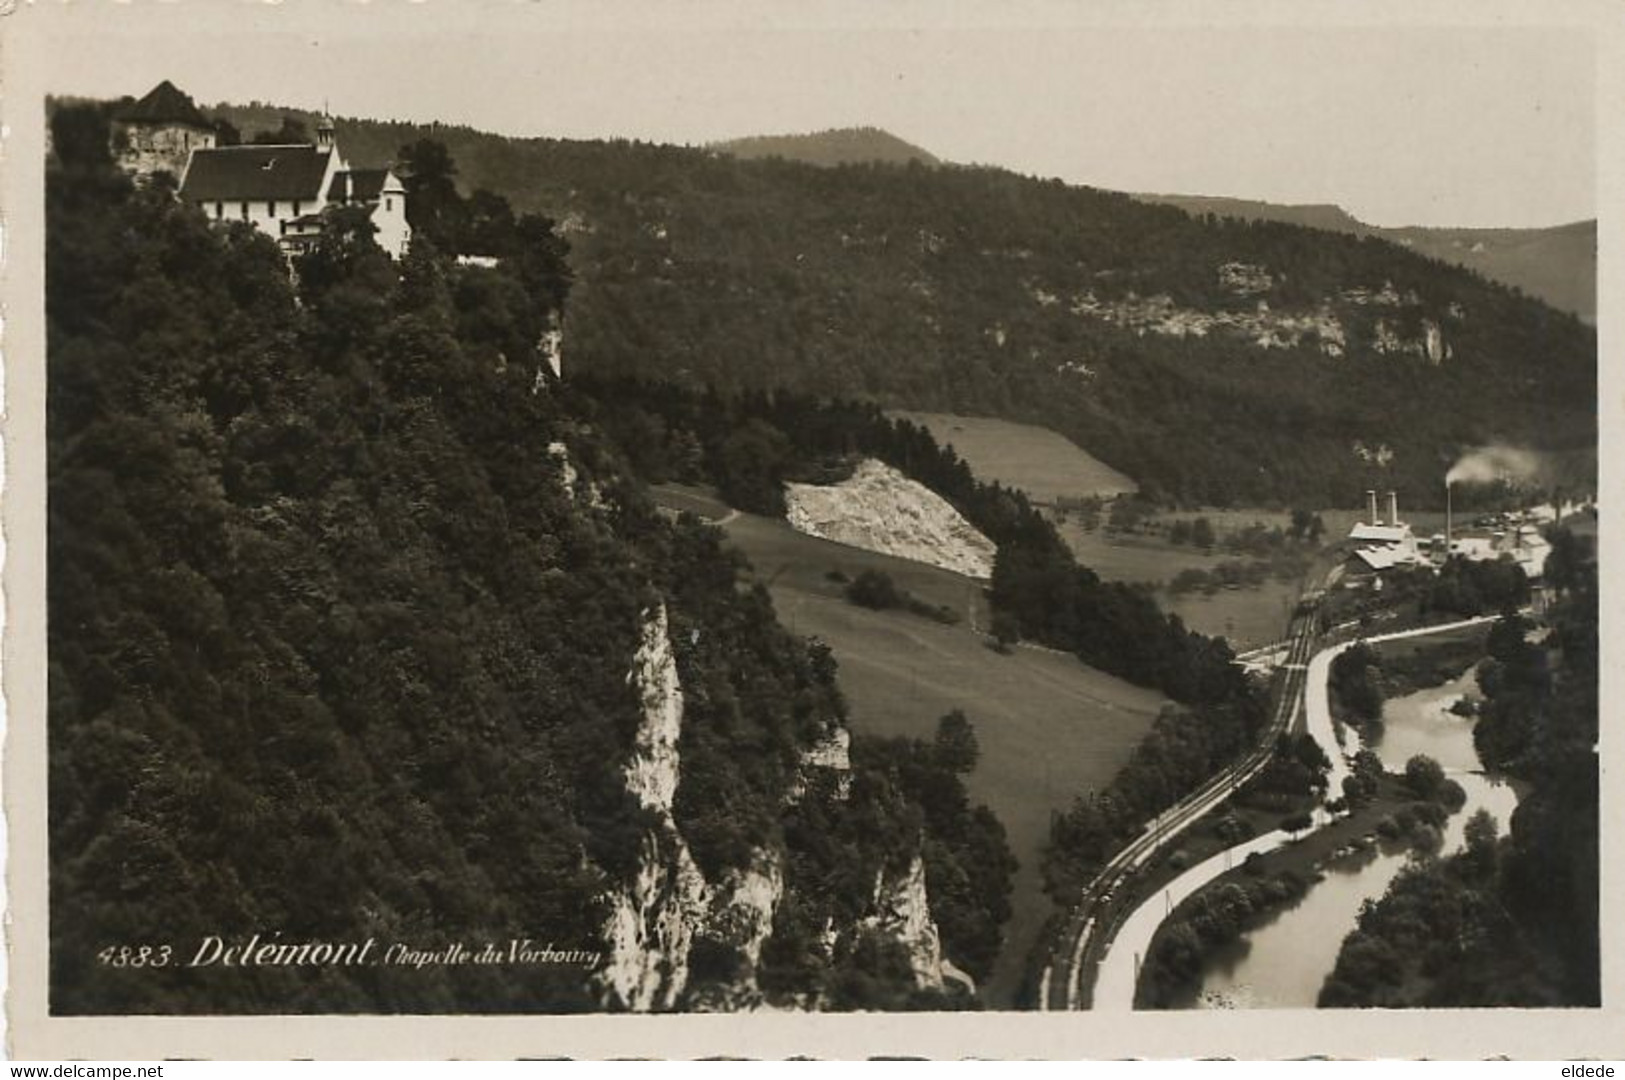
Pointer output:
324, 131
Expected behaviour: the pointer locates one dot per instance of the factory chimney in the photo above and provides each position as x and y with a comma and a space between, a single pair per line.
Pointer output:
1393, 508
1371, 503
1447, 520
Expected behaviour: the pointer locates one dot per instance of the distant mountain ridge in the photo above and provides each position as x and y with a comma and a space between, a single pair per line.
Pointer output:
1557, 264
835, 146
1218, 361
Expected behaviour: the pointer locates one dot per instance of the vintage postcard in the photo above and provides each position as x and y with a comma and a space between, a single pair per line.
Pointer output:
1004, 530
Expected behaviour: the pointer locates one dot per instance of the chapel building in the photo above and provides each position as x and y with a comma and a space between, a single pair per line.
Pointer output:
282, 190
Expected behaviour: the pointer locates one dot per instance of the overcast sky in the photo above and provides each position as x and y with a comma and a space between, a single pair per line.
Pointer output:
1400, 125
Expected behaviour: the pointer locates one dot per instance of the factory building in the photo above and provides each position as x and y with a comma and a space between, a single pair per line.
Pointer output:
1382, 545
1521, 542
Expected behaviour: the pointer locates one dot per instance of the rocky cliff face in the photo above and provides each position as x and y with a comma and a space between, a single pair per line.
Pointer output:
668, 920
880, 509
1263, 327
739, 921
651, 925
656, 920
650, 930
1329, 327
828, 759
901, 910
570, 477
652, 774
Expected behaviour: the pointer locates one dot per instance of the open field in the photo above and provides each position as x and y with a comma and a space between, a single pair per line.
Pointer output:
1338, 521
795, 563
1245, 616
1049, 727
1232, 519
1040, 462
1134, 557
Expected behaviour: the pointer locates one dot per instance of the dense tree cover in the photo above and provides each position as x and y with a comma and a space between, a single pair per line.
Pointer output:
876, 589
1442, 936
342, 608
1461, 588
833, 146
304, 675
952, 289
293, 131
1509, 922
1430, 662
1365, 778
1544, 727
1477, 587
1354, 684
1212, 918
1295, 773
1516, 680
968, 862
1184, 748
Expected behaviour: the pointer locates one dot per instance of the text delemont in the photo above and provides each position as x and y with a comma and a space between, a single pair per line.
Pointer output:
259, 951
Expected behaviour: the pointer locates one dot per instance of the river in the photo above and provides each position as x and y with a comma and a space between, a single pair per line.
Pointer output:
1283, 963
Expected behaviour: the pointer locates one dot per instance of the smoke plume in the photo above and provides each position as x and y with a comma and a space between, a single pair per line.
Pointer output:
1490, 463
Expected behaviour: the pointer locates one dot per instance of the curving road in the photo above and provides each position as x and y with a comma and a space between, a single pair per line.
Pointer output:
1093, 925
1121, 952
1318, 708
1119, 969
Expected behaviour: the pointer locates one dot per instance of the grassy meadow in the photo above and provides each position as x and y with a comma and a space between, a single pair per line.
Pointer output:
1045, 465
1245, 617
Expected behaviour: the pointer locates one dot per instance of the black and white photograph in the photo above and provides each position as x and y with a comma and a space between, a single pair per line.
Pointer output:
1073, 513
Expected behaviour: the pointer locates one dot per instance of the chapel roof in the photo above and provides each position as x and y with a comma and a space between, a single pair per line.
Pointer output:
255, 172
365, 185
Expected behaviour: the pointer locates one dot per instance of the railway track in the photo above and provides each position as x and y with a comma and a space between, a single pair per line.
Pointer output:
1066, 982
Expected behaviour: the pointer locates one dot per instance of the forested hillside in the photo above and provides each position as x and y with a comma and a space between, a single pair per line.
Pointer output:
838, 146
358, 631
1557, 263
1213, 360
